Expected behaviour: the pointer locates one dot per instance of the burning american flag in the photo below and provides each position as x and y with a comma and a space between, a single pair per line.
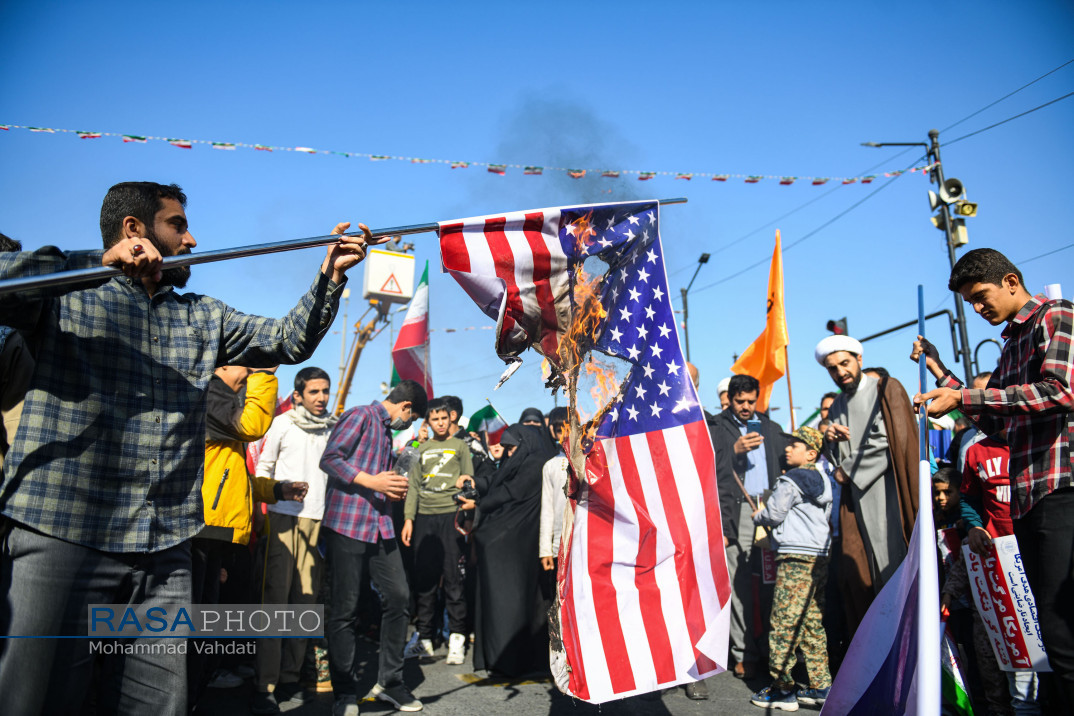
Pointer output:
642, 582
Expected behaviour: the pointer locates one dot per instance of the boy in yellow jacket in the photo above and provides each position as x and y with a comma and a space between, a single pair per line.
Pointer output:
228, 491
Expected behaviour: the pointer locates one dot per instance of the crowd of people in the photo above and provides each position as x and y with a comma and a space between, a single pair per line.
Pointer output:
147, 459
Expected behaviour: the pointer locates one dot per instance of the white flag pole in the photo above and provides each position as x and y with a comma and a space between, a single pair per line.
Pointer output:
928, 603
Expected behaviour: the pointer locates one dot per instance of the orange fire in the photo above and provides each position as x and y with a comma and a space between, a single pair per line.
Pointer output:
606, 386
582, 230
575, 352
585, 321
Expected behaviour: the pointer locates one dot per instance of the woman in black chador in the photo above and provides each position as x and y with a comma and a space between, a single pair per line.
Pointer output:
514, 594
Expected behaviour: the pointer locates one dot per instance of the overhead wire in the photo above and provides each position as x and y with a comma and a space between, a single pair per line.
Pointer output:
880, 188
1053, 251
789, 213
1009, 119
815, 231
1009, 94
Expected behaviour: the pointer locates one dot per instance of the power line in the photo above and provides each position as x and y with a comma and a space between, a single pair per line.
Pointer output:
815, 231
1009, 119
1009, 94
884, 185
1053, 251
796, 209
815, 199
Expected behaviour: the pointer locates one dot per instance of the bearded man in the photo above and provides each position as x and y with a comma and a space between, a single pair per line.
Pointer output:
101, 490
873, 445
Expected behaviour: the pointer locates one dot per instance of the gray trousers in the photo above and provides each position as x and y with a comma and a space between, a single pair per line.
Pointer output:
744, 645
49, 585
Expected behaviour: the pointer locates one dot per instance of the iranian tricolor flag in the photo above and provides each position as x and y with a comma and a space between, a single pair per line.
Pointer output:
410, 355
487, 420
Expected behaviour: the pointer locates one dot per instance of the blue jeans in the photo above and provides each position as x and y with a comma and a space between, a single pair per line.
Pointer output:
1023, 687
48, 585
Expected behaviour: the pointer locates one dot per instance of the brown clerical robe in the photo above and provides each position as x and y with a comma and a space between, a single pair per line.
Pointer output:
856, 581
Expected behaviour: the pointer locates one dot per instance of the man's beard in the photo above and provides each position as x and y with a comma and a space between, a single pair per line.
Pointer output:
177, 276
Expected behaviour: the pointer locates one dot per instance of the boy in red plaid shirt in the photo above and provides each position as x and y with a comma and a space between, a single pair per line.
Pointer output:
1030, 395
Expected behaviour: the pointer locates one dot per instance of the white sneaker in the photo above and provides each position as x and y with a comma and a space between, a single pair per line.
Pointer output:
456, 649
418, 648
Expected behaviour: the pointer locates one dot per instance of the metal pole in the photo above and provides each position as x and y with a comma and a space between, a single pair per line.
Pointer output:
343, 339
928, 604
685, 323
104, 272
685, 307
936, 175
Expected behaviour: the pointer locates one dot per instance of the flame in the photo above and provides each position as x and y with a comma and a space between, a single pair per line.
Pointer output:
586, 319
606, 386
582, 230
575, 353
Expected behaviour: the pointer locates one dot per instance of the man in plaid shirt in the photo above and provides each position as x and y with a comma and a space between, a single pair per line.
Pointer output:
359, 538
1030, 393
101, 489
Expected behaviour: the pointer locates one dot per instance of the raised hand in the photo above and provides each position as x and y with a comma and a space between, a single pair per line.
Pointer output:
136, 257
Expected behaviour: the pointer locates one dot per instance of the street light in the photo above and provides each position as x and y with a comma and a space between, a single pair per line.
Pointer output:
704, 259
951, 194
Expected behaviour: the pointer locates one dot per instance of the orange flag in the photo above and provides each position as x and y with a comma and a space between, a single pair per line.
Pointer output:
766, 358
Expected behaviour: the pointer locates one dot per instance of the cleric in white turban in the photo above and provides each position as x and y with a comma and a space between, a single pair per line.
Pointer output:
834, 344
873, 439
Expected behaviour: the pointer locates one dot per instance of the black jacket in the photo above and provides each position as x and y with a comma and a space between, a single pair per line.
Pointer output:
725, 431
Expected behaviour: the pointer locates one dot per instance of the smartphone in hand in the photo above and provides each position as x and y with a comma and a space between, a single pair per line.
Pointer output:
753, 426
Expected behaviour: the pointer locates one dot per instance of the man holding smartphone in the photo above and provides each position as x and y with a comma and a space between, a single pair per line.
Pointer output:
749, 448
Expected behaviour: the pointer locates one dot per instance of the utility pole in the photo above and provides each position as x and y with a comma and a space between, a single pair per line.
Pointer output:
952, 192
686, 320
704, 259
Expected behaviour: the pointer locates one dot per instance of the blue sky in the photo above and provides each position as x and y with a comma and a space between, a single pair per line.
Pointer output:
772, 88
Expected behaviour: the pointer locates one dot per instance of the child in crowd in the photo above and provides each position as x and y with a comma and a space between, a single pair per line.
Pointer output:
986, 511
945, 515
429, 525
798, 512
945, 498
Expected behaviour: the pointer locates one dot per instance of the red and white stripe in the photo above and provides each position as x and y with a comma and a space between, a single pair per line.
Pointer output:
644, 588
515, 262
410, 354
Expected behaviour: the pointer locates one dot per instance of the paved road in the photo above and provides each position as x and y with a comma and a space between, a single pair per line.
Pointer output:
457, 690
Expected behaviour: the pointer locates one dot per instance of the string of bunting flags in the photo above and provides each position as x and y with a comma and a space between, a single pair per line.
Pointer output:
499, 169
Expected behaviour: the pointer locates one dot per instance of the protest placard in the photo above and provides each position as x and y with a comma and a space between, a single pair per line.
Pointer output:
1005, 602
